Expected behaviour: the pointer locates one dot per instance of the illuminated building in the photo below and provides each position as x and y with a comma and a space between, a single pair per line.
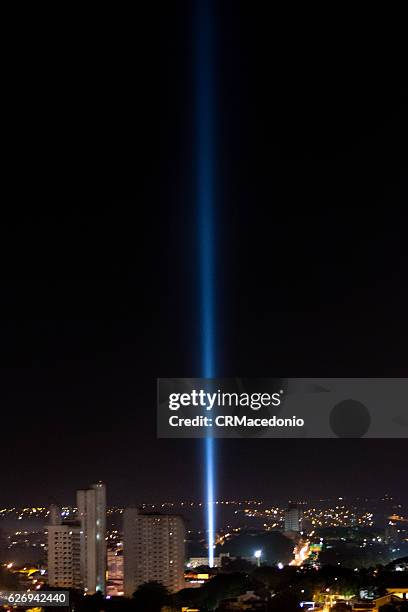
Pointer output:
399, 592
293, 518
195, 562
91, 505
114, 585
394, 596
154, 550
64, 562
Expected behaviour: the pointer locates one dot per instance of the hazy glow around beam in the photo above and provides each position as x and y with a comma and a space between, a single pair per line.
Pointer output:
205, 201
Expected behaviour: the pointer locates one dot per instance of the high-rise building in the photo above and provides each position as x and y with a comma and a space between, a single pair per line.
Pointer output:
293, 518
64, 562
154, 550
91, 505
114, 585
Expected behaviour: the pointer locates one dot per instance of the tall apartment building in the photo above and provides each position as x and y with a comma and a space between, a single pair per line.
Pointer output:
77, 548
114, 585
91, 504
64, 558
293, 518
154, 550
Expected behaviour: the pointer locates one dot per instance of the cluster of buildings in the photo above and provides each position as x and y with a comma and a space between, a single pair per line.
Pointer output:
77, 545
83, 555
153, 548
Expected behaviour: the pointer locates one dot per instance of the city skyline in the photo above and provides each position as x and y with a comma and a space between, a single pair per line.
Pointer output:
387, 496
285, 515
148, 552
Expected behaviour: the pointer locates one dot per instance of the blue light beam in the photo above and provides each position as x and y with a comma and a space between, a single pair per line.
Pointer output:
206, 242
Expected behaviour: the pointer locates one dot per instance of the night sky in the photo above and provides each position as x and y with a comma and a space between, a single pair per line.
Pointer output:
99, 296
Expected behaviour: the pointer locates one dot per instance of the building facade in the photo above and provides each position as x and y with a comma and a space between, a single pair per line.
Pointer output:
64, 557
91, 504
114, 585
293, 518
154, 550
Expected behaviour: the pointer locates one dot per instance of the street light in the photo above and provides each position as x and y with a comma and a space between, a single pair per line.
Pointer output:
258, 555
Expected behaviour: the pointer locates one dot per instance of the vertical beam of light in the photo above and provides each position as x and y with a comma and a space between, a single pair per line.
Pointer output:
206, 240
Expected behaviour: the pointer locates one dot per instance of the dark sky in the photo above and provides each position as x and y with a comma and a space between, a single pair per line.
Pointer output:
99, 295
